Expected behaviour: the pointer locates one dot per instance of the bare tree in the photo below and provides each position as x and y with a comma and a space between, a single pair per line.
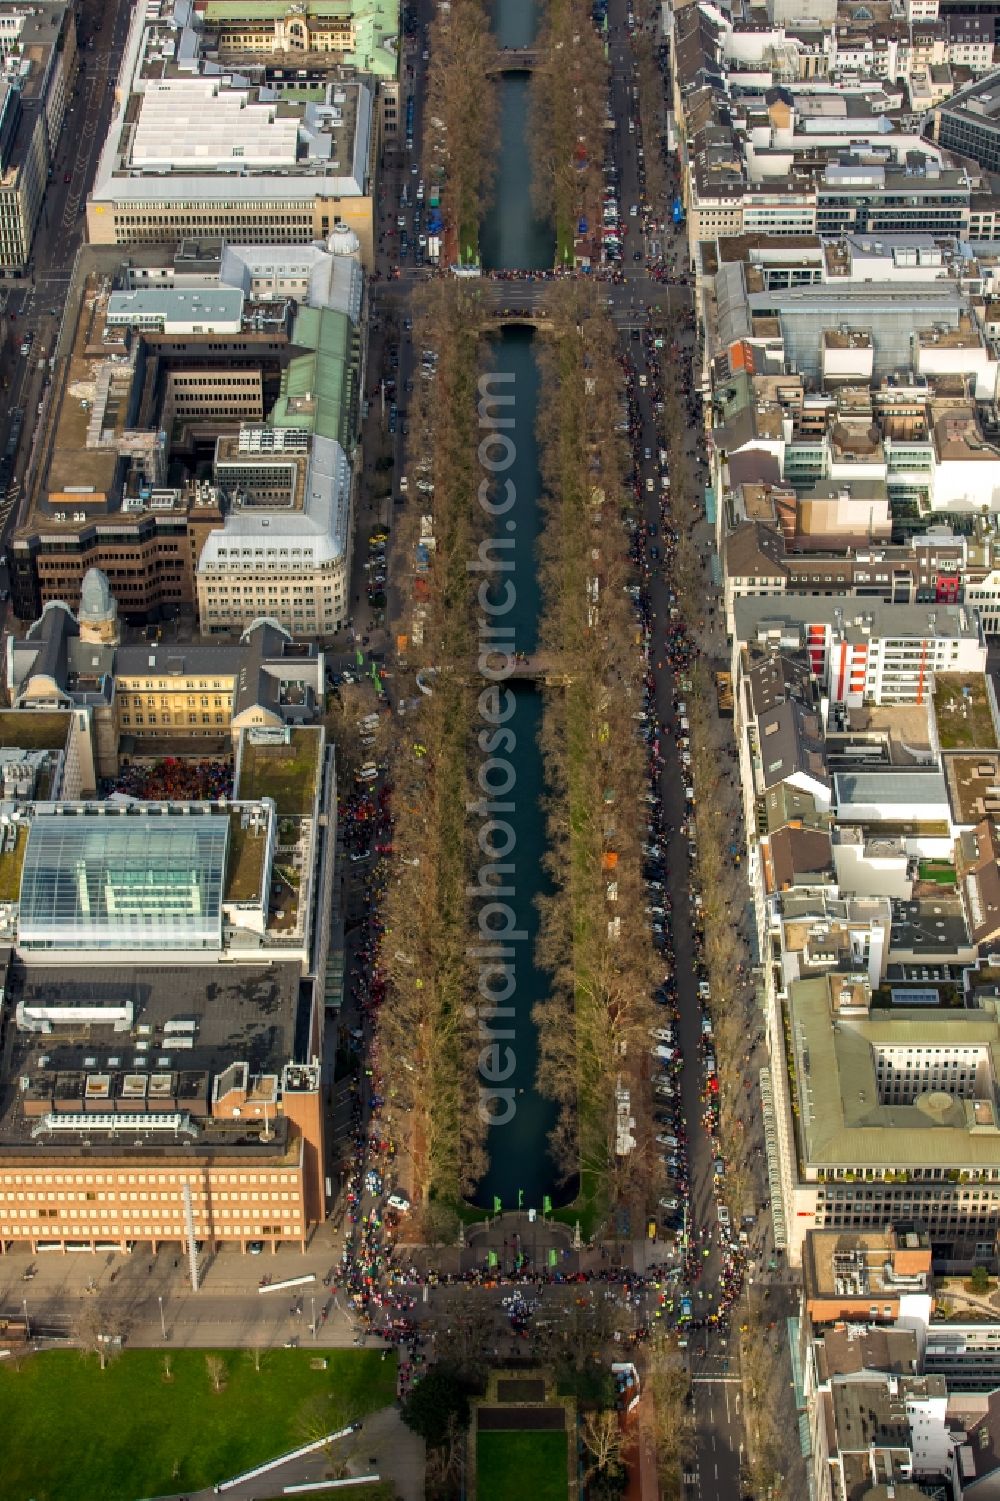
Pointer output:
602, 1438
218, 1372
461, 117
99, 1330
667, 1417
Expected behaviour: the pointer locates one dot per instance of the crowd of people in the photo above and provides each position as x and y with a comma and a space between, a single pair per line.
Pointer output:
670, 647
173, 780
367, 1273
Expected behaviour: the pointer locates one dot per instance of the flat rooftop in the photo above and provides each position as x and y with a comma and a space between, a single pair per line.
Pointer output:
195, 123
835, 338
853, 620
26, 70
843, 1121
289, 774
840, 1263
932, 926
962, 712
903, 728
980, 101
185, 120
27, 730
891, 786
973, 779
246, 854
146, 305
187, 1025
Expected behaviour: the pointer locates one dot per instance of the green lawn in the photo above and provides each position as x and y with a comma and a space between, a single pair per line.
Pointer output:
939, 871
286, 773
75, 1433
510, 1466
962, 712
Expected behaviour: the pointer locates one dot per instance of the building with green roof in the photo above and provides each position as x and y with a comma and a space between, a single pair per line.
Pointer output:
320, 389
362, 35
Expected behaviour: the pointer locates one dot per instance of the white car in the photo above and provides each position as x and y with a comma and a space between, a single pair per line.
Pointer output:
399, 1202
667, 1141
665, 1054
662, 1034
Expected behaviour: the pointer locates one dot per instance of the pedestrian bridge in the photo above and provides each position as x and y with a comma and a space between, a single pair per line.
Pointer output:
543, 667
515, 60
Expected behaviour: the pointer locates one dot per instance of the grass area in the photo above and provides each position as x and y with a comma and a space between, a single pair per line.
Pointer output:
29, 730
286, 773
564, 245
511, 1465
76, 1433
938, 870
11, 866
245, 863
590, 1206
962, 713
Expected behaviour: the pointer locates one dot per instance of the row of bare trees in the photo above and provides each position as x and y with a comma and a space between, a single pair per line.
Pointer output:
723, 890
717, 816
569, 95
593, 940
461, 118
427, 1030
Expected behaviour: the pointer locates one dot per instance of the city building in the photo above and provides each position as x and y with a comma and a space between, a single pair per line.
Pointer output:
969, 122
864, 651
284, 549
136, 699
163, 1010
194, 150
363, 36
894, 1115
163, 356
38, 63
863, 1276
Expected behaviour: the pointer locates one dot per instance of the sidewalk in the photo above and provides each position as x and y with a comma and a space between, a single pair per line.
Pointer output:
384, 1447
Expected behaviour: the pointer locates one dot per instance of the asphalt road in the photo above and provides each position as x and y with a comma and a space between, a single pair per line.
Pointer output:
35, 303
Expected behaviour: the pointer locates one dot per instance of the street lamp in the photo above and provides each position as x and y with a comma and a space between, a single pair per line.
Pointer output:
27, 1325
163, 1322
313, 1302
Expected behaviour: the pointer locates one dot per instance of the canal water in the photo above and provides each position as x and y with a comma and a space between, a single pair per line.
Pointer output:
520, 1168
511, 237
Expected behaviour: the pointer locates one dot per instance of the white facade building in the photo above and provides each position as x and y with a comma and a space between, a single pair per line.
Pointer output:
866, 651
289, 562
